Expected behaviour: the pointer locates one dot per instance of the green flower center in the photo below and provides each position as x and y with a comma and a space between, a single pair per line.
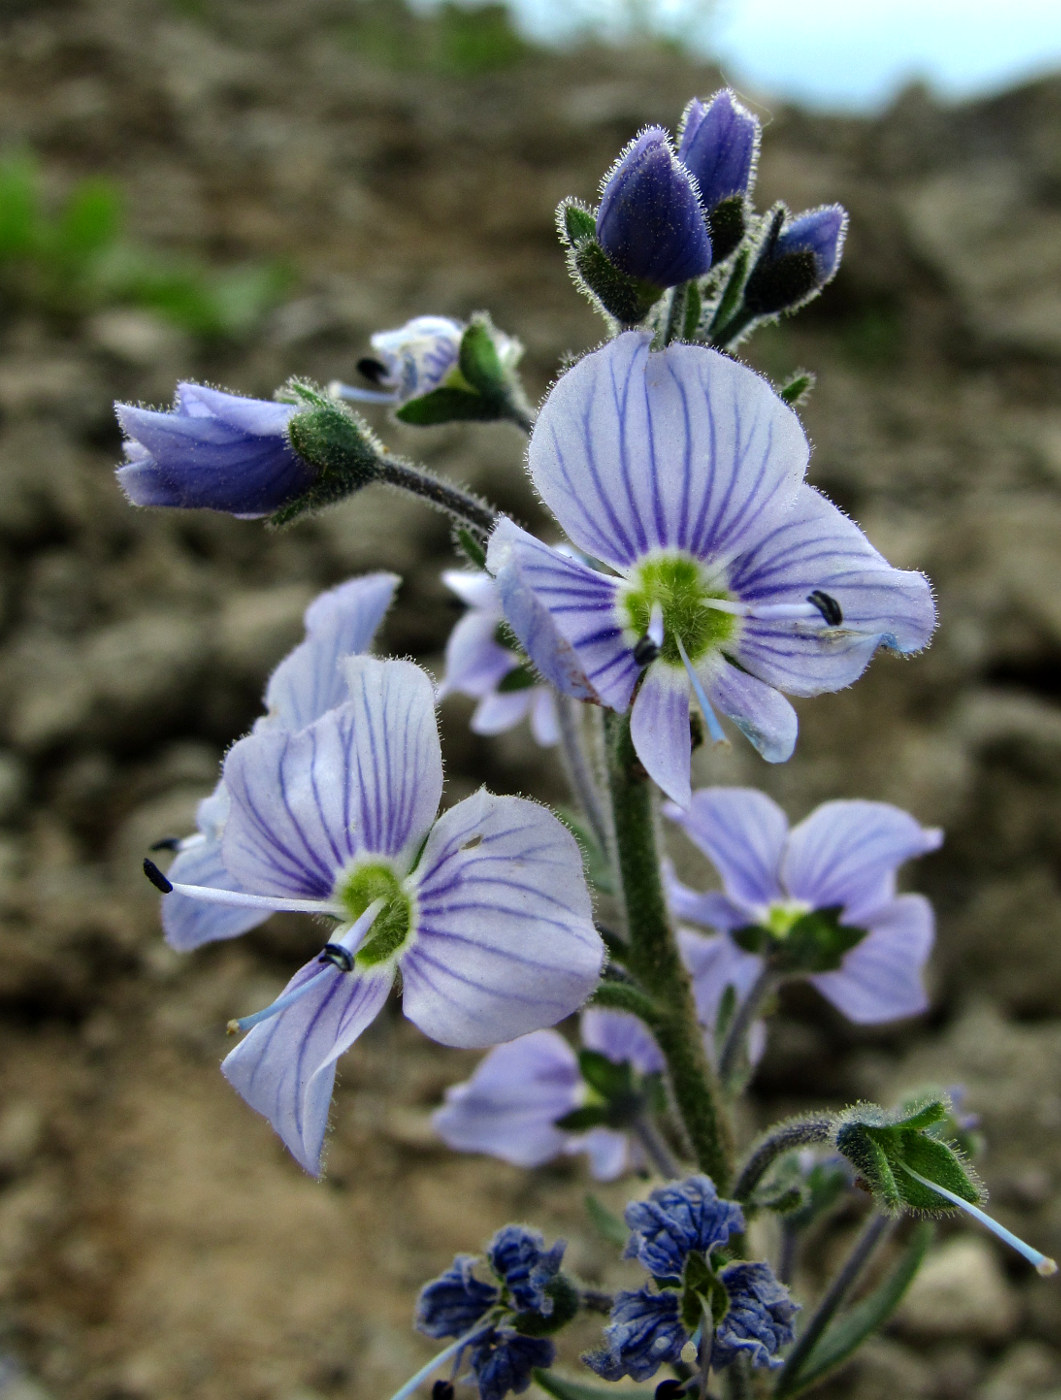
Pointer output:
678, 583
361, 887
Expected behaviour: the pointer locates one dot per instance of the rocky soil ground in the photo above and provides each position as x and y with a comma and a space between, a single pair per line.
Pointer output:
155, 1241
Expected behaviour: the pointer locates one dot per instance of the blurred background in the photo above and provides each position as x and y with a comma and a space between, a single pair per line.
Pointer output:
236, 190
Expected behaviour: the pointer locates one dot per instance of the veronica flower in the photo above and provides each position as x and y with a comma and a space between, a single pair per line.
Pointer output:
485, 911
674, 1235
308, 682
416, 359
728, 578
212, 450
511, 1105
480, 665
819, 900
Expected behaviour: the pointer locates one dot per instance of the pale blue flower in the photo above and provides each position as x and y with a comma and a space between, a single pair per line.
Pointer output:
728, 578
416, 359
308, 682
485, 911
212, 450
481, 666
867, 951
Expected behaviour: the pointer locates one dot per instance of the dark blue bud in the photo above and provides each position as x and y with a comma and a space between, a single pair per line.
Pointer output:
453, 1303
518, 1256
503, 1362
650, 223
214, 451
645, 1331
819, 232
758, 1322
719, 145
677, 1220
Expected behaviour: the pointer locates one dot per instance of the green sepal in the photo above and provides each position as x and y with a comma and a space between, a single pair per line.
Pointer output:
520, 678
857, 1324
561, 1389
605, 1076
447, 405
701, 1292
726, 226
815, 942
879, 1145
478, 358
575, 223
730, 299
598, 869
470, 547
798, 388
608, 1225
626, 298
565, 1300
694, 304
338, 445
581, 1120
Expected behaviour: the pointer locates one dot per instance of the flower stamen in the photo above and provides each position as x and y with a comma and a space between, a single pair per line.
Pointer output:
714, 729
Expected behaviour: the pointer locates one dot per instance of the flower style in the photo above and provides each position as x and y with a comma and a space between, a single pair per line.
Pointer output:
214, 451
481, 666
674, 1235
530, 1294
484, 911
817, 901
682, 471
513, 1102
416, 359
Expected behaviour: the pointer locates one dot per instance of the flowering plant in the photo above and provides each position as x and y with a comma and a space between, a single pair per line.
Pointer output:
701, 582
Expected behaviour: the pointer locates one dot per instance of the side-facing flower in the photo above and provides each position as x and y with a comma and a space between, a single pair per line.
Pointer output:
309, 681
680, 1236
650, 223
512, 1104
733, 580
499, 1325
485, 911
480, 665
817, 901
213, 451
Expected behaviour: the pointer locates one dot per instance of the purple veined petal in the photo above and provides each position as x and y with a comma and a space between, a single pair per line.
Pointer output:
714, 964
505, 940
495, 713
761, 713
544, 720
610, 1153
881, 977
285, 1067
711, 908
341, 622
565, 615
475, 588
189, 923
258, 416
839, 854
509, 1107
659, 729
142, 484
364, 778
818, 548
475, 660
743, 833
719, 145
622, 1037
683, 448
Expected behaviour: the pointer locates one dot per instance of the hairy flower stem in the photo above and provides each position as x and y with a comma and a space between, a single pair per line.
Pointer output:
735, 1044
675, 315
461, 505
874, 1232
579, 770
656, 1150
786, 1137
655, 961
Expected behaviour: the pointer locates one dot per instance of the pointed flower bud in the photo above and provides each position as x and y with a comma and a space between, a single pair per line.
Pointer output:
796, 260
213, 451
719, 144
650, 223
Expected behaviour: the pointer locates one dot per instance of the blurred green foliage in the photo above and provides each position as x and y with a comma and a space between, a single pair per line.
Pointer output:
76, 258
451, 41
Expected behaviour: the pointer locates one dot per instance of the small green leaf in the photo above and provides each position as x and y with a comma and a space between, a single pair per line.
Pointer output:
520, 678
798, 387
852, 1328
575, 223
581, 1120
471, 548
479, 362
626, 298
446, 406
608, 1225
562, 1389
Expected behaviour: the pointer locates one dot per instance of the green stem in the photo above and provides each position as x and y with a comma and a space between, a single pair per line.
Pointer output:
461, 505
732, 1054
786, 1137
655, 961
